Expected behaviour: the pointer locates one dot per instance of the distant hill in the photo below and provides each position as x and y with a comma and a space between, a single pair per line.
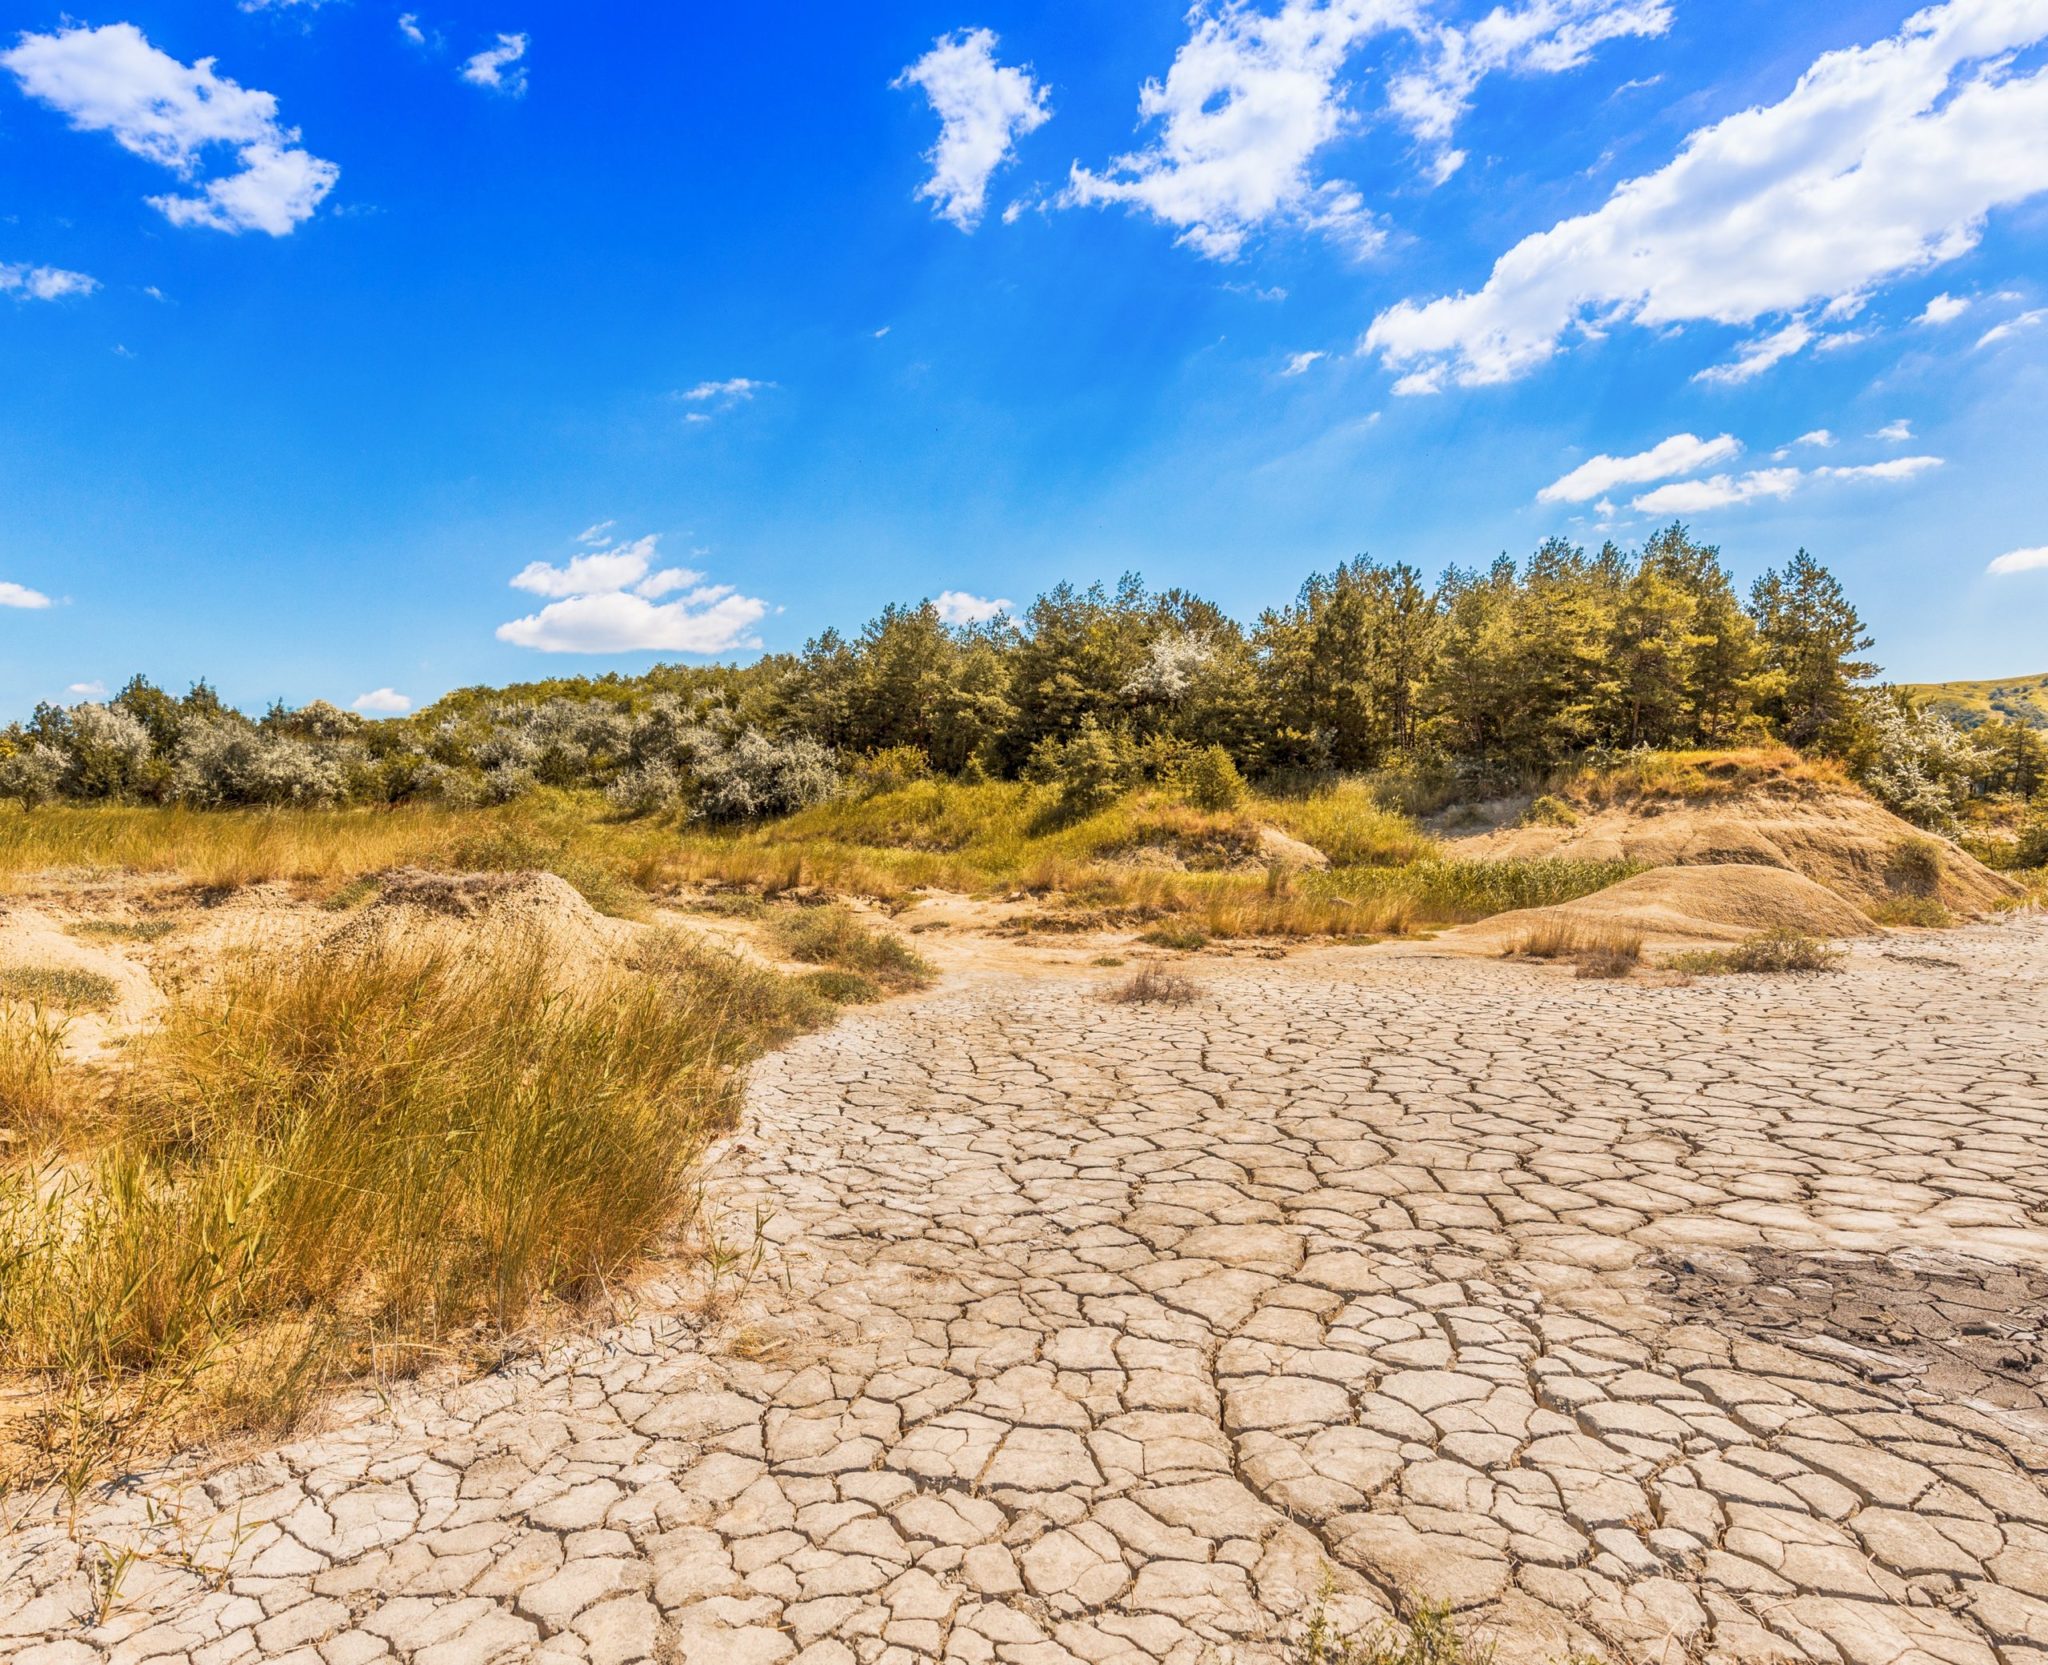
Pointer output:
2019, 699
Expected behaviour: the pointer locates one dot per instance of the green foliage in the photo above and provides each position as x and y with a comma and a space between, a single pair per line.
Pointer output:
1209, 780
1548, 810
1090, 769
834, 936
1769, 952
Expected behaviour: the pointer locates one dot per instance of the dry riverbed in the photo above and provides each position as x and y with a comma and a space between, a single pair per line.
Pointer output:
1648, 1321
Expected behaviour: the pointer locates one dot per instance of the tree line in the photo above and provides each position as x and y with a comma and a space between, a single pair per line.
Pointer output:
1516, 666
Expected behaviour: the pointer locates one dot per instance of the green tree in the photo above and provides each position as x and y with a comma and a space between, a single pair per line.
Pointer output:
1812, 641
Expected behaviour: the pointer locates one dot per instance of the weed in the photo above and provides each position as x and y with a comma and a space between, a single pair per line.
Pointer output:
1429, 1636
1915, 867
1149, 985
39, 1089
1598, 950
1549, 810
1768, 952
65, 987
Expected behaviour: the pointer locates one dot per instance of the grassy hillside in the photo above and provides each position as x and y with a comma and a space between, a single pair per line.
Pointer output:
2019, 699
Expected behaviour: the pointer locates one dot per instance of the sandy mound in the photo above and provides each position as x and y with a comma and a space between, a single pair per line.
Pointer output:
1839, 839
1289, 851
1239, 849
1718, 903
455, 910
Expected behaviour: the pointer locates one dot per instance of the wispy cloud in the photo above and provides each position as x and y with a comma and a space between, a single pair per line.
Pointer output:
610, 602
501, 68
1883, 160
2012, 327
984, 108
1299, 362
1755, 356
111, 80
1680, 454
1895, 433
93, 690
1719, 491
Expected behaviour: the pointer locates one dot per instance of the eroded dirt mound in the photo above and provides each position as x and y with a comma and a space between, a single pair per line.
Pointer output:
1961, 1328
32, 941
452, 910
1839, 839
1721, 903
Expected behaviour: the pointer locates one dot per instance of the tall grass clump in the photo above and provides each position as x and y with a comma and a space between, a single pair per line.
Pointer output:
372, 1158
834, 936
39, 1090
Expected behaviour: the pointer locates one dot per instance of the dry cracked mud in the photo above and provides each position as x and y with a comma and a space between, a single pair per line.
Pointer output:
1655, 1323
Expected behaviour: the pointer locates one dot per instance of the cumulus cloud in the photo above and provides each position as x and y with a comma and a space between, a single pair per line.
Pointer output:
20, 595
2012, 326
1883, 160
1680, 454
609, 602
1818, 437
381, 702
1943, 309
43, 283
111, 80
1543, 37
959, 607
984, 108
1719, 491
501, 68
2020, 560
1247, 103
1895, 433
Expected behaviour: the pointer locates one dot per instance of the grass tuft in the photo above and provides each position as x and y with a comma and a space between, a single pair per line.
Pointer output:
835, 936
1767, 953
65, 987
1152, 986
124, 930
1597, 950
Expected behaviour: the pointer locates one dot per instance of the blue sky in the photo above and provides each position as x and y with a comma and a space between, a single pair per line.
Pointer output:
353, 347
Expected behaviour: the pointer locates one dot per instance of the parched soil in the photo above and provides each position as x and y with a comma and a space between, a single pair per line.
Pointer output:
1641, 1321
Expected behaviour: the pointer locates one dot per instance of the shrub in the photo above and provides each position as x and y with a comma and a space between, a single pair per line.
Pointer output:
1091, 768
753, 775
34, 774
1180, 934
1915, 763
1915, 866
1766, 953
889, 770
1548, 810
1599, 950
226, 761
2032, 848
1150, 985
1209, 780
843, 988
1924, 912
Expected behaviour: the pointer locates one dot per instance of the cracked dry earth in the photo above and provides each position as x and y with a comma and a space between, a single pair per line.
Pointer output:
1095, 1332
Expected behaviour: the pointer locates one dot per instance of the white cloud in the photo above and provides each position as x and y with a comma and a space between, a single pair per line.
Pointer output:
1883, 160
1818, 437
1299, 362
2020, 560
735, 390
382, 702
609, 603
1943, 309
1246, 104
44, 283
984, 108
1755, 356
2012, 326
600, 534
1719, 491
959, 607
20, 595
1543, 37
1895, 433
1895, 468
1680, 454
93, 690
500, 67
111, 80
409, 27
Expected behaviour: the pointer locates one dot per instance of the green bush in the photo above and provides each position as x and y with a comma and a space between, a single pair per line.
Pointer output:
1091, 768
1209, 780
